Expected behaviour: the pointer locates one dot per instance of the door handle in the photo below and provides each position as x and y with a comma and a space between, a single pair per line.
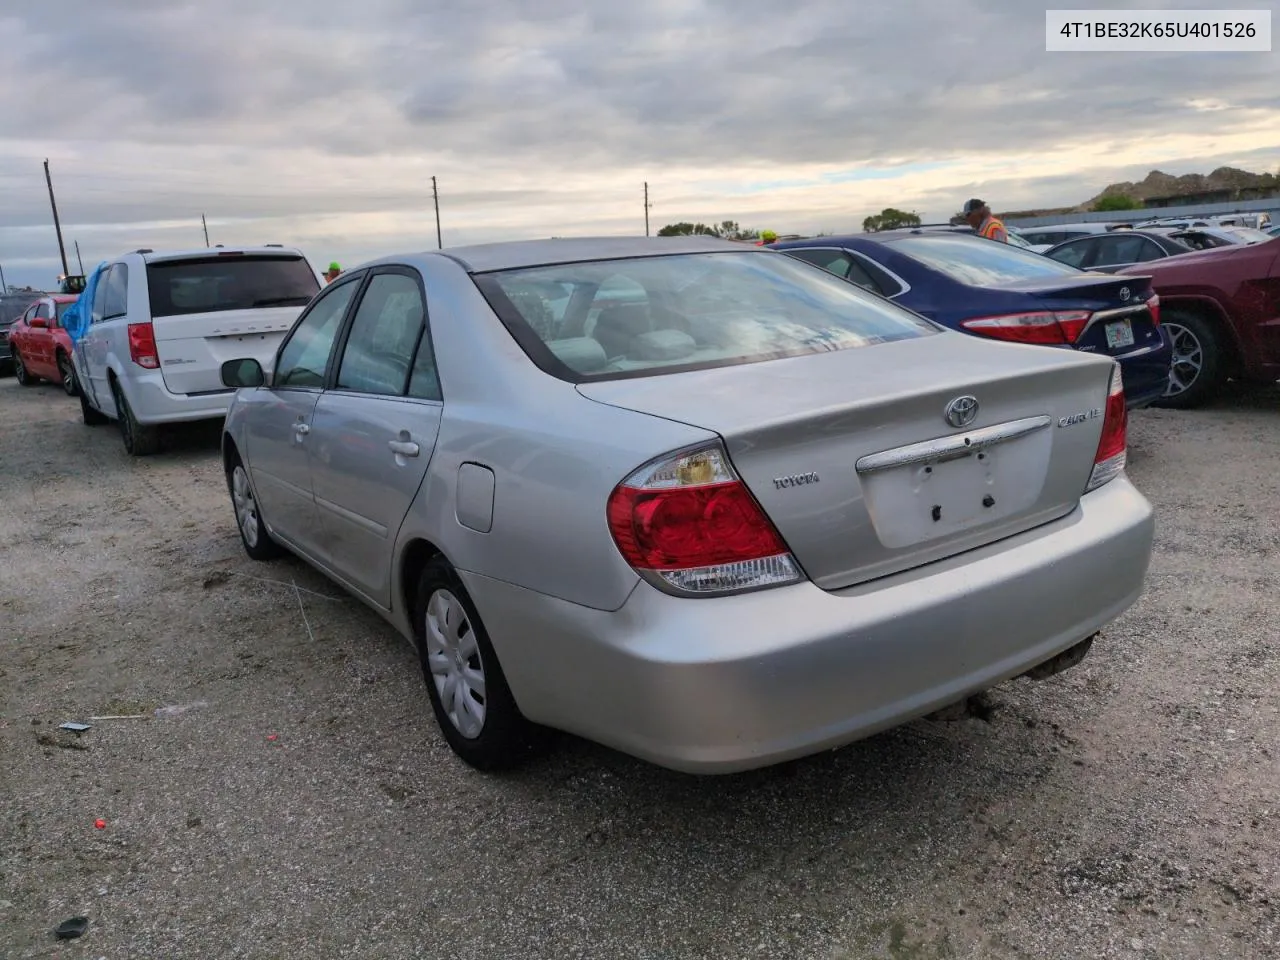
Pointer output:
404, 448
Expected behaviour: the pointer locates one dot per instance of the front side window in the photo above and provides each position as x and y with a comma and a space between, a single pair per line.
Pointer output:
979, 264
228, 282
44, 311
63, 308
653, 315
384, 335
304, 358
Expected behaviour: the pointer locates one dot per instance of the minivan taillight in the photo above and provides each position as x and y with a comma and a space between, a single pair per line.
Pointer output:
142, 345
1043, 327
689, 525
1109, 461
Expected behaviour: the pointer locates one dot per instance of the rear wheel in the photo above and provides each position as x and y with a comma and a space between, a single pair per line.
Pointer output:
1199, 360
469, 694
20, 371
68, 372
140, 440
258, 544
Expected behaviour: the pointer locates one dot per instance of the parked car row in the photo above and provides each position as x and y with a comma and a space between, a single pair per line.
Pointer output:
701, 501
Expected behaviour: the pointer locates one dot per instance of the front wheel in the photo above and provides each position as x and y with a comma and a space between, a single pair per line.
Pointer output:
1199, 360
258, 544
140, 440
468, 690
68, 373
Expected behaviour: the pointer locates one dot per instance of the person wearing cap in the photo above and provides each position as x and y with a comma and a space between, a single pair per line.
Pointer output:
331, 274
978, 215
767, 236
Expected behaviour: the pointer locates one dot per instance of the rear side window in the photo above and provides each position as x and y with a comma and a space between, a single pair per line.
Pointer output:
115, 292
217, 283
980, 263
63, 308
652, 315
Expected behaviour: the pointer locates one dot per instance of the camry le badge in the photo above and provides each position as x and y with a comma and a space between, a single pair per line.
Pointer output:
795, 480
961, 411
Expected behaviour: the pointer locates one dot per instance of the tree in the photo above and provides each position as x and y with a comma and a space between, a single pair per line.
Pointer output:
729, 229
1117, 201
890, 219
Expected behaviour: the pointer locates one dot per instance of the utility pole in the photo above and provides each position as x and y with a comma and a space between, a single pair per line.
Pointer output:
4, 287
647, 205
56, 225
206, 230
78, 260
435, 195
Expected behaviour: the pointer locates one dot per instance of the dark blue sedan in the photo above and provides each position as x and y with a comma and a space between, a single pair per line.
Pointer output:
996, 290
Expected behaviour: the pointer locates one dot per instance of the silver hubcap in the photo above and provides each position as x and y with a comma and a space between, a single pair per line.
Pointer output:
453, 657
68, 375
246, 508
1188, 359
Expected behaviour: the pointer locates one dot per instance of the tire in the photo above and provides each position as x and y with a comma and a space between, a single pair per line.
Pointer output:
20, 371
90, 416
68, 371
1199, 360
257, 542
139, 440
479, 720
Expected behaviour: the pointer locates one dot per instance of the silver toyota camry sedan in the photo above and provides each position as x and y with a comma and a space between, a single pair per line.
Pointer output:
701, 502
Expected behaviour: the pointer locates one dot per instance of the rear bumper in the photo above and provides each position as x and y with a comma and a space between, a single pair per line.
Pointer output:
1146, 374
728, 684
152, 402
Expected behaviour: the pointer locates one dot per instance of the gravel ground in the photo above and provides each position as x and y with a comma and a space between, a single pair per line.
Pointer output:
304, 804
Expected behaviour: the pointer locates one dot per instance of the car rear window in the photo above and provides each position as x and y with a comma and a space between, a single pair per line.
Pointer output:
980, 263
600, 320
217, 283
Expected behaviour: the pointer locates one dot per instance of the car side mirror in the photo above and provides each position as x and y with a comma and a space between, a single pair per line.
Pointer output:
245, 372
39, 323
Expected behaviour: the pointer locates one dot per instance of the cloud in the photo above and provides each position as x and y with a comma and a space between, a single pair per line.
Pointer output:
321, 125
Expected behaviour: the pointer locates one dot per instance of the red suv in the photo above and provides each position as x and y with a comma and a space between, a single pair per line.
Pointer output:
41, 348
1221, 309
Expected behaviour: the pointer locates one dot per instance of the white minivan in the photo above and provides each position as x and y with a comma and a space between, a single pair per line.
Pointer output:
161, 325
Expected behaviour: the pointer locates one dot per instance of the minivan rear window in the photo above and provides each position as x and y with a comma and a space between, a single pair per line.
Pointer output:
607, 319
216, 283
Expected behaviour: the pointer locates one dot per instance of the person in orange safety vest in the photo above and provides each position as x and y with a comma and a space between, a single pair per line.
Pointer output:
978, 215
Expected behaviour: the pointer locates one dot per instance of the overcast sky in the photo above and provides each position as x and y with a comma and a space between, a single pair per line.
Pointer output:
320, 123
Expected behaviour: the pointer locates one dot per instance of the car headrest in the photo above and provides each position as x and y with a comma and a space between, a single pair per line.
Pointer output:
580, 354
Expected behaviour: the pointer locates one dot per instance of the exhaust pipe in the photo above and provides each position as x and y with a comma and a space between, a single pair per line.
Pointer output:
1067, 659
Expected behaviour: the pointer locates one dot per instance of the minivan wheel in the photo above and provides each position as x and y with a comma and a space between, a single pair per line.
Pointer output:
1199, 364
68, 372
140, 440
258, 543
469, 694
91, 416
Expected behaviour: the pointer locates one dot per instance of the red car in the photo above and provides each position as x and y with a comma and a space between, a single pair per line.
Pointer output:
1221, 309
41, 348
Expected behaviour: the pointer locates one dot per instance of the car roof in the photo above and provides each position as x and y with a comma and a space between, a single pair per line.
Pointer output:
517, 254
64, 297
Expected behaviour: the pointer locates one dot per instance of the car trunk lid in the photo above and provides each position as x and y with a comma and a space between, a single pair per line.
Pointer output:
850, 453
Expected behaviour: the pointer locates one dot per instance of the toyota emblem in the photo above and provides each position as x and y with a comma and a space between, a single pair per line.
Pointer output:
961, 411
1124, 293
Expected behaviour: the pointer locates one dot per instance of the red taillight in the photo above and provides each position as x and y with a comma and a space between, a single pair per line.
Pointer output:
1153, 307
1109, 461
1044, 327
688, 522
142, 345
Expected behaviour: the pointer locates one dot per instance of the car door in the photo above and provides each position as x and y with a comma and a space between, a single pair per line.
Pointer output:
109, 305
278, 419
375, 429
41, 340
